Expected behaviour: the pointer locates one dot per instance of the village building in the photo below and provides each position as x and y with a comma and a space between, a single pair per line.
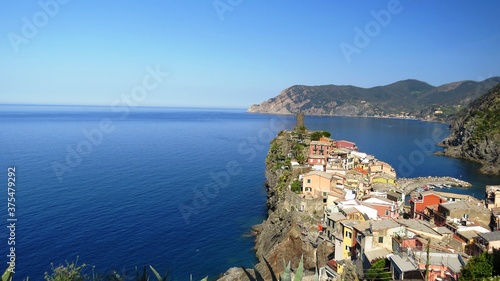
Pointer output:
458, 213
379, 167
349, 239
317, 162
492, 196
346, 144
404, 268
385, 207
442, 266
323, 148
421, 228
373, 241
486, 242
420, 200
329, 140
495, 218
317, 184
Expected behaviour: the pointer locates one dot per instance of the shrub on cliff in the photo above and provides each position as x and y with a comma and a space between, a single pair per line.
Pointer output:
318, 134
297, 186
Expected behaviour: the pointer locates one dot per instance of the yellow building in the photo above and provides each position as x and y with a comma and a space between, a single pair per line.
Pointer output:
383, 179
348, 243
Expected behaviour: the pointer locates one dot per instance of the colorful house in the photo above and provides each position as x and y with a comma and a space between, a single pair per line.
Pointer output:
317, 160
419, 201
317, 183
323, 148
380, 167
442, 266
383, 179
385, 207
346, 144
349, 241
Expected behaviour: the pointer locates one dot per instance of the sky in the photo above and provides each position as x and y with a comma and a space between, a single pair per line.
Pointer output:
234, 53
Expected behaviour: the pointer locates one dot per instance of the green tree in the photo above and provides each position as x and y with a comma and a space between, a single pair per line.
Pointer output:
316, 136
299, 153
477, 268
296, 186
495, 259
378, 270
301, 158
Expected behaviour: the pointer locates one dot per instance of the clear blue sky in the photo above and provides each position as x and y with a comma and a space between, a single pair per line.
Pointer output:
93, 52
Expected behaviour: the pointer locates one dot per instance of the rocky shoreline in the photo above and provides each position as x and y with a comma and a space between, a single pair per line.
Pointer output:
475, 133
286, 234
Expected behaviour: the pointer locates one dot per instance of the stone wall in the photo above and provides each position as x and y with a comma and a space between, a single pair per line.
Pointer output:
309, 205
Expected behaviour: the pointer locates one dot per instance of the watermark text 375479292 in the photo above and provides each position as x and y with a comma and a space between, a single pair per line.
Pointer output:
12, 219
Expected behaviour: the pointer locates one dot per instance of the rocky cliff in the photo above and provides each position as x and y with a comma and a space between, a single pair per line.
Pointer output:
408, 98
476, 132
281, 237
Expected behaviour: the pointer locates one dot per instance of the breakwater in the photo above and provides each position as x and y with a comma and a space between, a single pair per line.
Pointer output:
407, 185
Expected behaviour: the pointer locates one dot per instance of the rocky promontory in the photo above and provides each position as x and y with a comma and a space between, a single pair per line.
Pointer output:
287, 234
476, 133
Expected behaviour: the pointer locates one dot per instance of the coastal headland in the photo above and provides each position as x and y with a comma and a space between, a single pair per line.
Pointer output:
316, 185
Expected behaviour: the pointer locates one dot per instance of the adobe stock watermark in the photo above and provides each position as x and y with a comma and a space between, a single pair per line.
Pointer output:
416, 158
362, 37
223, 6
202, 196
94, 137
31, 26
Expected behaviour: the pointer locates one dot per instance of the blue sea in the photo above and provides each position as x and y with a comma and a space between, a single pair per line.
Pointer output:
175, 188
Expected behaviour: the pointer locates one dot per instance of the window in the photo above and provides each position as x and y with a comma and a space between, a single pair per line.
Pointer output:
308, 180
348, 234
386, 212
381, 239
348, 248
359, 237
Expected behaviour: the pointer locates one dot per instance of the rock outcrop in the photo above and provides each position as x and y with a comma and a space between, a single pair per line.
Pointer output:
476, 132
286, 234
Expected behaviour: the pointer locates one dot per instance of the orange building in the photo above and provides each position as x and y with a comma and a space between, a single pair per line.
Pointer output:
419, 201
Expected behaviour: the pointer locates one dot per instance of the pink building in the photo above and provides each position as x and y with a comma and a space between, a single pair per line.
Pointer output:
316, 160
323, 148
385, 207
346, 144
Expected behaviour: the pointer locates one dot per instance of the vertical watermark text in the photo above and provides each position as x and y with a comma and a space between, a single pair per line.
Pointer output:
12, 218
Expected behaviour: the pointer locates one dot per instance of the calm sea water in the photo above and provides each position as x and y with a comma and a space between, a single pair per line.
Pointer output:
175, 188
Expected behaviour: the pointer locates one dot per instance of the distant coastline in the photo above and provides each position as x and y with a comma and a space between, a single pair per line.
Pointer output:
361, 116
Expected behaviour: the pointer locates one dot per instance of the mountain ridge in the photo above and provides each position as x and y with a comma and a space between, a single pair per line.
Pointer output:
409, 98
